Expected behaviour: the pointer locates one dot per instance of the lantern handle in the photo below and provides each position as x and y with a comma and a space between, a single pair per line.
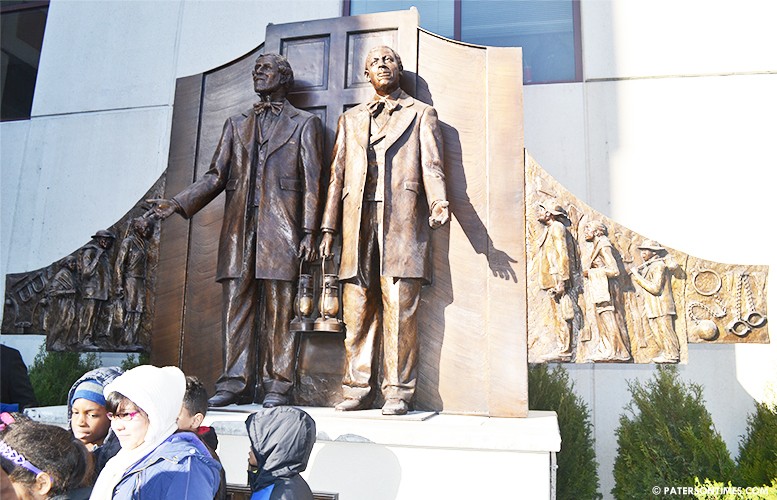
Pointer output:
323, 263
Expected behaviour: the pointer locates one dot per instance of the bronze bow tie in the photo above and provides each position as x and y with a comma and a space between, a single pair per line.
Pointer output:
379, 103
261, 106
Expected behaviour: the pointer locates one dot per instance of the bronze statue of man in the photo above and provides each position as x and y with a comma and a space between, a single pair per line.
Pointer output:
269, 163
388, 182
95, 269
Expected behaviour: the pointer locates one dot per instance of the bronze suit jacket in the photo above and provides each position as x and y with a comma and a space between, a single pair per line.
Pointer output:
286, 184
414, 179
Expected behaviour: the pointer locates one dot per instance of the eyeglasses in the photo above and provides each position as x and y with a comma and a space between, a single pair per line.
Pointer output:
125, 415
17, 459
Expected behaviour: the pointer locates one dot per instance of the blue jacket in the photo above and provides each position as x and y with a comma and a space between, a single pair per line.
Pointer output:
180, 467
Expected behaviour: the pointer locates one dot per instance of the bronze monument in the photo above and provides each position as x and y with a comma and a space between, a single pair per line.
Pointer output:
268, 161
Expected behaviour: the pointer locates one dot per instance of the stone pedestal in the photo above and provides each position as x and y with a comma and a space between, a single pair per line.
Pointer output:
422, 455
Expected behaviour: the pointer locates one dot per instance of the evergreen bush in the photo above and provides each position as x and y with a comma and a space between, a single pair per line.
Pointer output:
577, 477
668, 439
133, 360
52, 374
757, 463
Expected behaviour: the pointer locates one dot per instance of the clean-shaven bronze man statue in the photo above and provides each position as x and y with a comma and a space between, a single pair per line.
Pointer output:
387, 179
268, 162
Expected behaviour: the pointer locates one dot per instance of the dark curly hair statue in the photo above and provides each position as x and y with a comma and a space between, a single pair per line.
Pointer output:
43, 459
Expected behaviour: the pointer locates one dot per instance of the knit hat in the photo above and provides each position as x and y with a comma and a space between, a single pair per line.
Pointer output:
157, 391
89, 389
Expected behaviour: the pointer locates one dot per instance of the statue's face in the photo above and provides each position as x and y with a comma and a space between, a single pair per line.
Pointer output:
544, 216
590, 232
267, 78
105, 242
143, 229
382, 70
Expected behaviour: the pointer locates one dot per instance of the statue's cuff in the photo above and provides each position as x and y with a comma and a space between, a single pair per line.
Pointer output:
444, 204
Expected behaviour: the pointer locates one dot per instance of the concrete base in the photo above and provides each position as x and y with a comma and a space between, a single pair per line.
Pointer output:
363, 454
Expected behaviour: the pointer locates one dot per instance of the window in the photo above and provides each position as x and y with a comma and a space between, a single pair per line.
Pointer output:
21, 38
547, 30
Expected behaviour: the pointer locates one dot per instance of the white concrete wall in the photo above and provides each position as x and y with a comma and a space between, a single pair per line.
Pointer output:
100, 127
671, 133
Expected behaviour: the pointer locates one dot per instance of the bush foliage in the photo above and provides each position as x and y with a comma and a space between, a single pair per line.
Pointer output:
52, 375
134, 360
757, 463
577, 476
667, 438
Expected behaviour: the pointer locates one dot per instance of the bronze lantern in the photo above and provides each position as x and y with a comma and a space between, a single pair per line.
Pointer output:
303, 305
329, 303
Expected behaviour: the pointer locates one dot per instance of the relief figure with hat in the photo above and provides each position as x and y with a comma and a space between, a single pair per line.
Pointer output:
95, 270
557, 256
654, 277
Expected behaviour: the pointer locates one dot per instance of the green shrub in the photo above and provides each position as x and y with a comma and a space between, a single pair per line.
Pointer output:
52, 374
133, 360
714, 490
668, 439
576, 477
758, 448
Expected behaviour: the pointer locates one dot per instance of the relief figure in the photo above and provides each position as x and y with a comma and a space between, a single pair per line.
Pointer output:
602, 292
556, 273
95, 270
130, 271
654, 276
60, 297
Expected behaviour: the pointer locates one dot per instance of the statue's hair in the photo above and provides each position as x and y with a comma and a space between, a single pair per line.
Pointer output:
597, 224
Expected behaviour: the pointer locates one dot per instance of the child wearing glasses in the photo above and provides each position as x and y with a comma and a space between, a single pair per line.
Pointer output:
154, 461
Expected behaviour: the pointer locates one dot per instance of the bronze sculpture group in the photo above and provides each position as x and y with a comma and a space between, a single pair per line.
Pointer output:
96, 297
386, 190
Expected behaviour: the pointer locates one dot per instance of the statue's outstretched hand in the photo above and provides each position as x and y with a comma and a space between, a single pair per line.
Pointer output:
162, 209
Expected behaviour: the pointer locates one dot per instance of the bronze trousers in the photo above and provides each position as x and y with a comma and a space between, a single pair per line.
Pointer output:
242, 336
276, 344
379, 311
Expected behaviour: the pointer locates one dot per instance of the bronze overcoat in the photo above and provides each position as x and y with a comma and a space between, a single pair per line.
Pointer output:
414, 179
282, 185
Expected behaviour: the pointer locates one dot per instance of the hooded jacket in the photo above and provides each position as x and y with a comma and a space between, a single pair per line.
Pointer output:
181, 467
282, 439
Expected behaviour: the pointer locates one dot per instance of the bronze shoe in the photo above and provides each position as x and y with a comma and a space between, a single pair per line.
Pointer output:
222, 398
395, 406
273, 399
351, 404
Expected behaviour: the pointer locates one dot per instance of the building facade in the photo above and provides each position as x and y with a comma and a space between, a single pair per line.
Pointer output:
665, 124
